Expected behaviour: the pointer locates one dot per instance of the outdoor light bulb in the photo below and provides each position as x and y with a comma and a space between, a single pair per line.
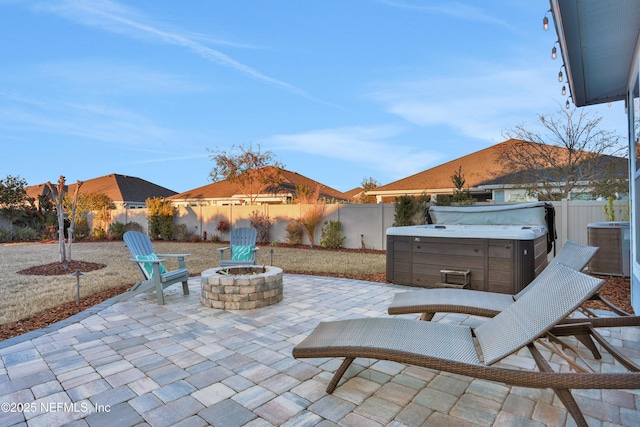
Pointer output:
567, 104
564, 90
545, 23
553, 53
560, 76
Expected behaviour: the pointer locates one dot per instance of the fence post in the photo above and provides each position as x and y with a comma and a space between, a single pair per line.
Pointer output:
383, 241
565, 220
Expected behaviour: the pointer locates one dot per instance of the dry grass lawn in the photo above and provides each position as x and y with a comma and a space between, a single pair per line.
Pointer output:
22, 296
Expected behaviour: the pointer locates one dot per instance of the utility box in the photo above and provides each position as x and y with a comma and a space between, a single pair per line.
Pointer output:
613, 239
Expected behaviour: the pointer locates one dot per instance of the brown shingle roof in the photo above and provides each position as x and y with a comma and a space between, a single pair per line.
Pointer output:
353, 192
119, 188
123, 188
477, 168
226, 189
33, 191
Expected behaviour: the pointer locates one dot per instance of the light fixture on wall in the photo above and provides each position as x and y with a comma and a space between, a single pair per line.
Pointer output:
554, 51
545, 21
564, 90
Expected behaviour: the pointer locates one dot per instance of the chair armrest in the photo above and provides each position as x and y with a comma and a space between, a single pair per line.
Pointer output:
144, 261
223, 249
180, 258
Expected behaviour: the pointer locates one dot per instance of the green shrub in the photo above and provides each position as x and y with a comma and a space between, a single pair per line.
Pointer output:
294, 230
181, 233
81, 229
26, 234
116, 230
410, 210
99, 233
160, 214
133, 226
443, 200
331, 235
4, 235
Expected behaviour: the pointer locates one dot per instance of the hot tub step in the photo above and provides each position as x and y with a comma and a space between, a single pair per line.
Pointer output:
454, 279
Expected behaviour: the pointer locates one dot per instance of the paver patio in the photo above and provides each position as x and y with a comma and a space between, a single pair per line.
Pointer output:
138, 363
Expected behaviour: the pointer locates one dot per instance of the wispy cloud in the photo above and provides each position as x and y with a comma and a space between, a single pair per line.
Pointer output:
478, 105
117, 18
95, 122
452, 9
375, 147
107, 77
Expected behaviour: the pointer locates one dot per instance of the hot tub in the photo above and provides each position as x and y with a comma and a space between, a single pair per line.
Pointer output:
487, 257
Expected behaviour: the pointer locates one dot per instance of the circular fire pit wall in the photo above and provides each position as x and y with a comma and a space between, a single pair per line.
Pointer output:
241, 288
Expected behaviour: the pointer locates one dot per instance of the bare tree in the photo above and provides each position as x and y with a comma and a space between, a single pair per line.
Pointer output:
65, 254
569, 154
254, 171
59, 197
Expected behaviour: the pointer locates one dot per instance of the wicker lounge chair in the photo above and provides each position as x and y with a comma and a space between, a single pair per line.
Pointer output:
428, 302
452, 348
154, 275
242, 248
480, 303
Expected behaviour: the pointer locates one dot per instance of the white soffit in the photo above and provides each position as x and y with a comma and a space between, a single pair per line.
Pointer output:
598, 39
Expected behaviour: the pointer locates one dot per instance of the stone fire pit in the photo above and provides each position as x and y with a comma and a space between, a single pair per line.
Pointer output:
242, 287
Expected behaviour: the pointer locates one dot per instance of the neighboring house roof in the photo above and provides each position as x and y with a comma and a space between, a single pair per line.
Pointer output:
480, 170
119, 188
34, 191
123, 188
597, 43
477, 168
230, 191
353, 193
621, 167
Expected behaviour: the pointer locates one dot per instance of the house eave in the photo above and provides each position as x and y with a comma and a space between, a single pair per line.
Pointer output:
597, 45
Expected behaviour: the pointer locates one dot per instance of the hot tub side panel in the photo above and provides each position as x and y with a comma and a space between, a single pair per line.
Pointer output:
496, 265
399, 259
432, 254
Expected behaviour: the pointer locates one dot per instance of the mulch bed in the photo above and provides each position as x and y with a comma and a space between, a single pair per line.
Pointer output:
60, 268
47, 317
616, 290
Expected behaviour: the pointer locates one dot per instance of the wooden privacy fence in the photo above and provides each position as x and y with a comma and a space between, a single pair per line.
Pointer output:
363, 225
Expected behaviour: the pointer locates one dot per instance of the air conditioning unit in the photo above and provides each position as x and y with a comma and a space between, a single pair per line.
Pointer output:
613, 239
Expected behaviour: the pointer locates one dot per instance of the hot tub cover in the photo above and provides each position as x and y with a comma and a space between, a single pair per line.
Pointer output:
512, 232
532, 214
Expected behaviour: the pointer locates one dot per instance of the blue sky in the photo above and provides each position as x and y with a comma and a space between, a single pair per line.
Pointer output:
338, 90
